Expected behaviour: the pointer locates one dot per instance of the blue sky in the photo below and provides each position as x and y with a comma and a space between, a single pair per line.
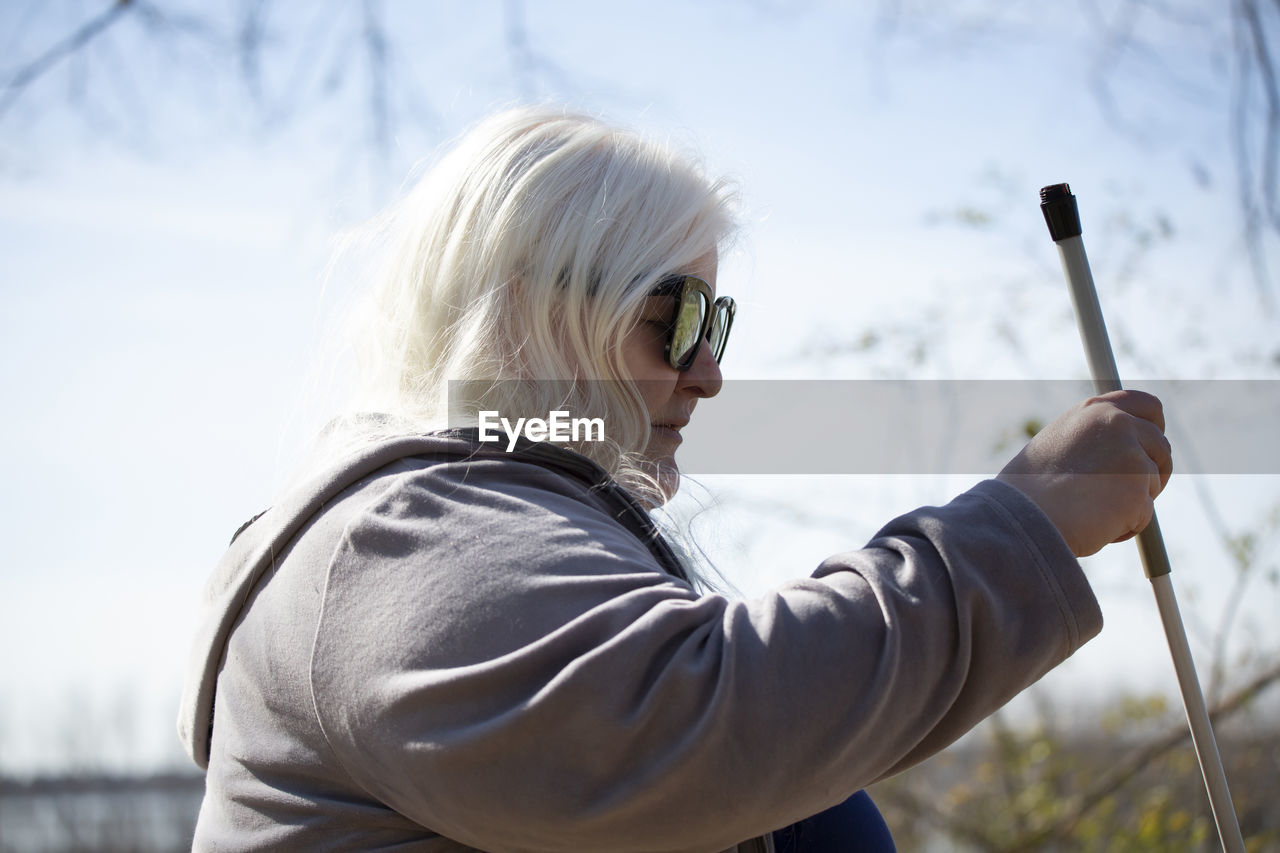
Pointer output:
164, 301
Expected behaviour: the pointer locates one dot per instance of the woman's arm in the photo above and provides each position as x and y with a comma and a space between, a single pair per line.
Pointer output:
500, 661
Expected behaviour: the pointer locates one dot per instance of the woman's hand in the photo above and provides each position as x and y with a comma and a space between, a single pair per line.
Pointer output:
1096, 470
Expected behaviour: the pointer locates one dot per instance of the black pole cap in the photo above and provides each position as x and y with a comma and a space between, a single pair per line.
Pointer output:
1060, 212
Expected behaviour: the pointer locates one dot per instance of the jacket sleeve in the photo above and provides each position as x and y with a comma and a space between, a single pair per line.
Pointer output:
504, 664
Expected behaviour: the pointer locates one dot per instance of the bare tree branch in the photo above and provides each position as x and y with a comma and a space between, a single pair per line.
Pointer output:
1121, 27
1127, 768
1267, 78
527, 64
1116, 41
979, 831
926, 810
1251, 53
21, 79
324, 22
250, 38
523, 62
375, 44
1244, 549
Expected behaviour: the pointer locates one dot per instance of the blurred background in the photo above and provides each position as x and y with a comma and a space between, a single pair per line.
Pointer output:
172, 178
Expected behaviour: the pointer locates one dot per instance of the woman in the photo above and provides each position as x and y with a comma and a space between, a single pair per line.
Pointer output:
444, 642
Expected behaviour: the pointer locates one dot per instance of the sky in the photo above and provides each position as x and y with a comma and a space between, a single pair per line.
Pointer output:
164, 238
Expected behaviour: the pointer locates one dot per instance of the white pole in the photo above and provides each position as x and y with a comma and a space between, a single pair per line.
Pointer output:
1063, 218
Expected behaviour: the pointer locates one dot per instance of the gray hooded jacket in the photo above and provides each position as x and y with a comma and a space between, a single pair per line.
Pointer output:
437, 647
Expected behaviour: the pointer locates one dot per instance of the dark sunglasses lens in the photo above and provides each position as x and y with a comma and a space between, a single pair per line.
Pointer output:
718, 334
715, 335
687, 329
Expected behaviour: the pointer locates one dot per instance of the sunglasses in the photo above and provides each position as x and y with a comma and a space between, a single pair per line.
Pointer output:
697, 318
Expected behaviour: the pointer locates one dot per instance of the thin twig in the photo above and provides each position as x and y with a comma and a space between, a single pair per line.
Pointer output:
375, 43
1244, 162
36, 68
922, 809
523, 62
250, 37
1267, 77
1124, 770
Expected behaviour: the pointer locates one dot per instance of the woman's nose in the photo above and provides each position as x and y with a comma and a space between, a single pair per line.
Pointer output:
703, 377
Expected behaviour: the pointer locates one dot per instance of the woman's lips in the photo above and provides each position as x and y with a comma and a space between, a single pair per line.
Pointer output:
669, 432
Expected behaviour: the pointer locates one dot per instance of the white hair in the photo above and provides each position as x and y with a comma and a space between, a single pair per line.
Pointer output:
513, 271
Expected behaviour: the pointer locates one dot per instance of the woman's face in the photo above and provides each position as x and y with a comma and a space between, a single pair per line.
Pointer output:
669, 394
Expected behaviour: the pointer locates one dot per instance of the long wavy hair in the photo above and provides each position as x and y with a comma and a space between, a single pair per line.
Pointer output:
512, 272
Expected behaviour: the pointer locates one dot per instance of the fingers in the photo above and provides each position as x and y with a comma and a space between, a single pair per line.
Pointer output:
1146, 513
1140, 404
1159, 451
1148, 427
1120, 436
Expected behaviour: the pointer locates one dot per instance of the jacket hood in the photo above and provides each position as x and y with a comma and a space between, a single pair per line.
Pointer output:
255, 545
